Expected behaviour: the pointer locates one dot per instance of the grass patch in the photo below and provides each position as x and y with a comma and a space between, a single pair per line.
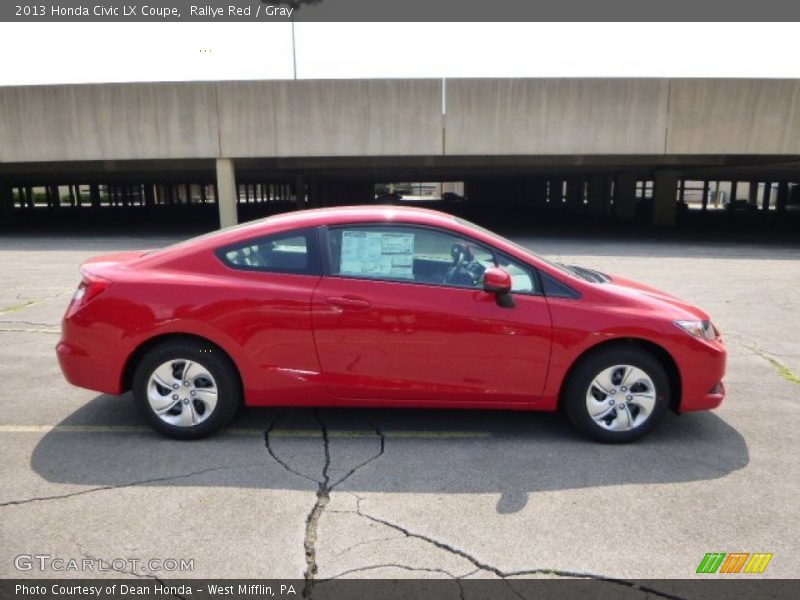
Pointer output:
781, 368
17, 307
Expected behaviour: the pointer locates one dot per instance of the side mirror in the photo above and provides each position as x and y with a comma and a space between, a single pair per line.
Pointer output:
498, 282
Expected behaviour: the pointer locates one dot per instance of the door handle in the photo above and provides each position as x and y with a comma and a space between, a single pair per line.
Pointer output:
351, 302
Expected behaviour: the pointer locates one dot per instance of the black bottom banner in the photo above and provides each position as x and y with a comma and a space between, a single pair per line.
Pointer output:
387, 589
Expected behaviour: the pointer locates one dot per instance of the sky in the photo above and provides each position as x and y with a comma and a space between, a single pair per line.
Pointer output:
41, 53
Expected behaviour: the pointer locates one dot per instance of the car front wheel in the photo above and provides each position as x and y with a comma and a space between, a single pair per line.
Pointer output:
186, 389
617, 394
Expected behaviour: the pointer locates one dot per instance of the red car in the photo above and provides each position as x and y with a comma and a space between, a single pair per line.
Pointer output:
382, 306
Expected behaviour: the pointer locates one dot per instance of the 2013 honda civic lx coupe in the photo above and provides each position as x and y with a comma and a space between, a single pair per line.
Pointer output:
382, 306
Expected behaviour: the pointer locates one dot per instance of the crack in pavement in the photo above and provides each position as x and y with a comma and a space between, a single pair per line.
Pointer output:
365, 542
382, 438
312, 521
324, 489
104, 488
457, 579
277, 459
504, 574
156, 578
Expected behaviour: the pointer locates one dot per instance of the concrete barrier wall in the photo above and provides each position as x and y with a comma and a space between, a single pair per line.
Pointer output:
556, 116
331, 118
108, 122
734, 116
399, 118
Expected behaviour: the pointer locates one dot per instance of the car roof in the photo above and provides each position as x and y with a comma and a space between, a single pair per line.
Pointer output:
298, 220
346, 214
330, 216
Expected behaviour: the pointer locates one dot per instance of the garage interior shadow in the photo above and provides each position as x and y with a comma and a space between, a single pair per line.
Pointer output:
513, 454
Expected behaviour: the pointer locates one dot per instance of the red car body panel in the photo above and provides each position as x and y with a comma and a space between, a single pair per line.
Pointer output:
431, 343
303, 340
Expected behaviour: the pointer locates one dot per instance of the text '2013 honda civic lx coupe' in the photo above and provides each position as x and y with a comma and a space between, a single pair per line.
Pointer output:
382, 306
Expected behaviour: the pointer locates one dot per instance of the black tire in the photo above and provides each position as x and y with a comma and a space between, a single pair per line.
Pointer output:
224, 373
574, 399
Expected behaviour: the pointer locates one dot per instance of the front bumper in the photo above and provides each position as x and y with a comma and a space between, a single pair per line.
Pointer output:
702, 367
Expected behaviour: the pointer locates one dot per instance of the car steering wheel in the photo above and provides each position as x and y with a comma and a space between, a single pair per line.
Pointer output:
463, 263
457, 252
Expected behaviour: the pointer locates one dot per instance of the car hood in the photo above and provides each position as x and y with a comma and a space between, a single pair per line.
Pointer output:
650, 297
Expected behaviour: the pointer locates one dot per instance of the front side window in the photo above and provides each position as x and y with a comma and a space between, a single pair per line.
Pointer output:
419, 255
290, 252
522, 279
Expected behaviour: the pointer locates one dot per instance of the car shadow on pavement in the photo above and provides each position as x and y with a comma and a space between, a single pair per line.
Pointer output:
514, 454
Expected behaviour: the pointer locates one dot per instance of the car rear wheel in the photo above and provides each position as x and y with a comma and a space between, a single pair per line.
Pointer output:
186, 389
617, 394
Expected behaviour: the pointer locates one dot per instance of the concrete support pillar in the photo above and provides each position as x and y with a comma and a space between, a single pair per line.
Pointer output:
734, 195
55, 197
625, 197
753, 193
765, 199
226, 193
94, 195
665, 198
783, 197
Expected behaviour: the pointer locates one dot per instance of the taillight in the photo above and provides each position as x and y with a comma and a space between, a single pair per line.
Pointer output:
91, 286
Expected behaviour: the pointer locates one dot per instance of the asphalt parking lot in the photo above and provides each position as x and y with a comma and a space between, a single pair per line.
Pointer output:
379, 493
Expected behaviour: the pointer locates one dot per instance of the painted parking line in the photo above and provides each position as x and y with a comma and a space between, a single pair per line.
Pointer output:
285, 433
27, 330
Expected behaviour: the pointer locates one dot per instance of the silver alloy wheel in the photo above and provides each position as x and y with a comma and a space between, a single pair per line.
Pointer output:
621, 398
182, 392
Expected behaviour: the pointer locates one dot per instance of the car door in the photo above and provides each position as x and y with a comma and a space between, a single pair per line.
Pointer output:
396, 318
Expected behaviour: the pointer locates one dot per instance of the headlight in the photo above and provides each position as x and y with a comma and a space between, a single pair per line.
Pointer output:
701, 329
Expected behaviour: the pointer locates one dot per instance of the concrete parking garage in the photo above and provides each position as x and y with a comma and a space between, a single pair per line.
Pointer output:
656, 151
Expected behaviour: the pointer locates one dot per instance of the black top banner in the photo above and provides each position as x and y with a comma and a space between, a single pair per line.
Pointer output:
402, 10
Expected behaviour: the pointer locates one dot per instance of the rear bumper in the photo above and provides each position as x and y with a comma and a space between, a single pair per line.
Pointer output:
85, 370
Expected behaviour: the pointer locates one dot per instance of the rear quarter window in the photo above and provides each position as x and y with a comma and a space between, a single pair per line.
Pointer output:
288, 252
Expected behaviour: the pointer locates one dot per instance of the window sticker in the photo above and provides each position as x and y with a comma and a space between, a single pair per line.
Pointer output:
377, 254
